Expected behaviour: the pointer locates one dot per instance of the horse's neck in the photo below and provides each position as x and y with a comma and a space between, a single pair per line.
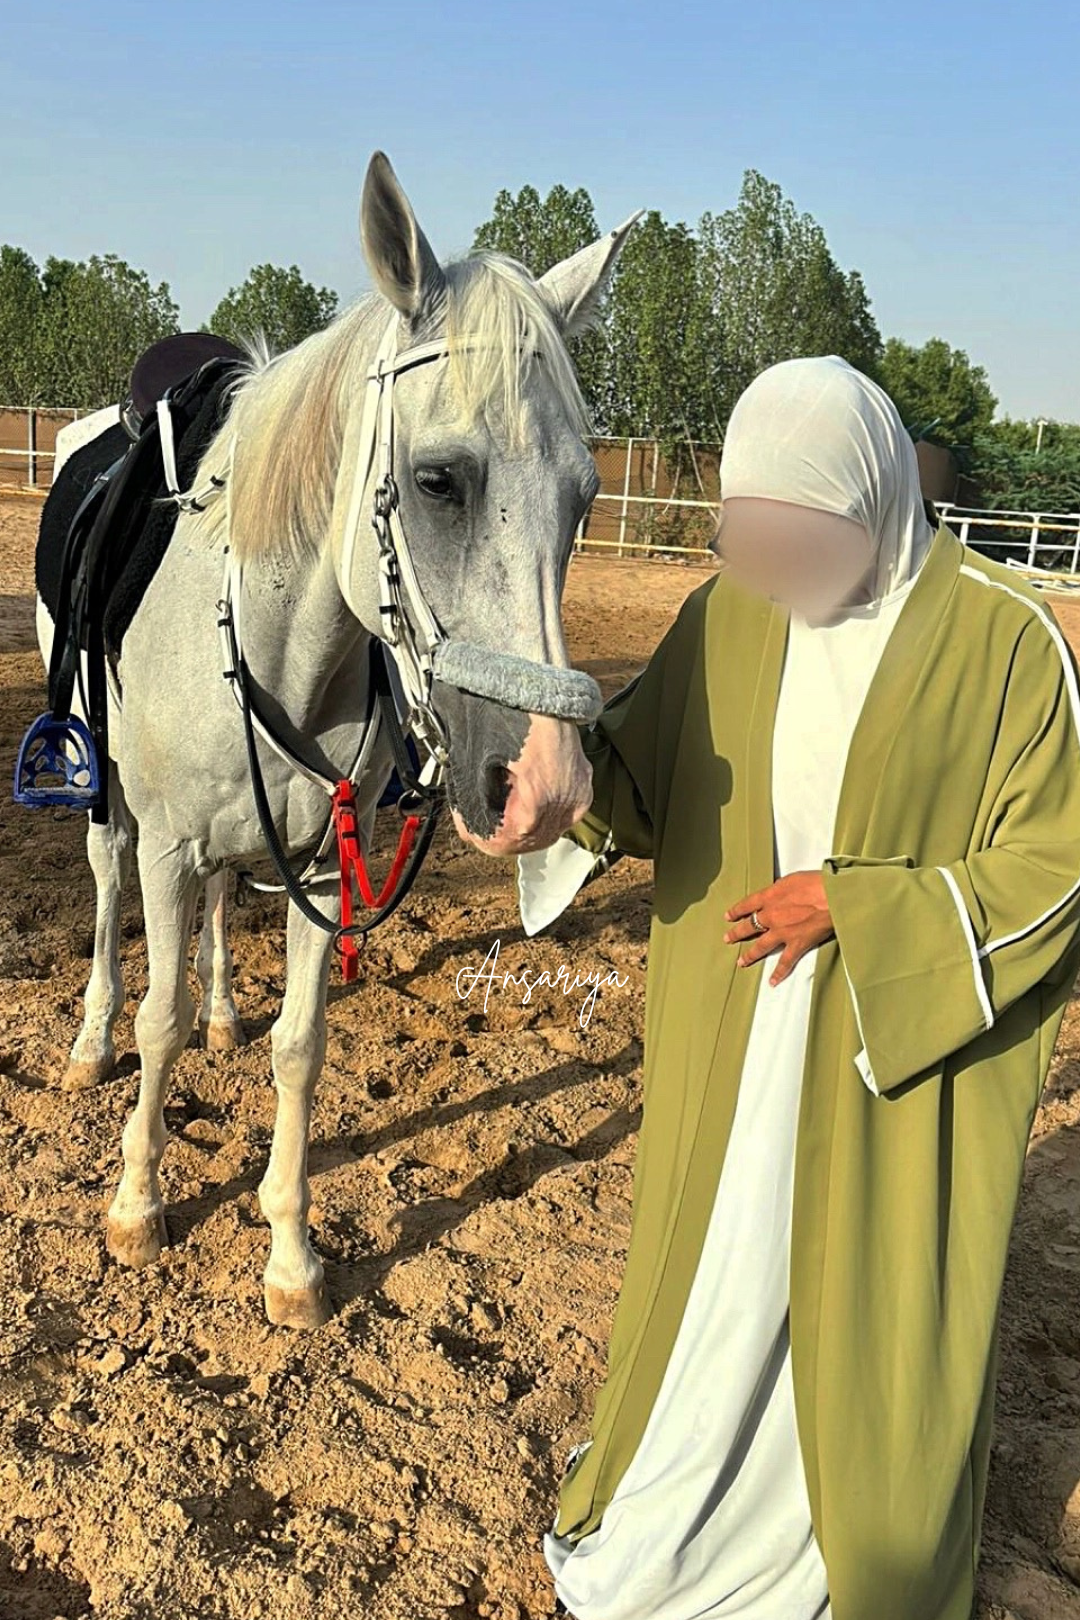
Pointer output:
298, 627
300, 639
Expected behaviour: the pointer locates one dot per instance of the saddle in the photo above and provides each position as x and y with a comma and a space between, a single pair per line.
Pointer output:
101, 541
166, 365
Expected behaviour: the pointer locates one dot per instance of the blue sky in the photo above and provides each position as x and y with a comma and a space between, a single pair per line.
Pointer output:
937, 144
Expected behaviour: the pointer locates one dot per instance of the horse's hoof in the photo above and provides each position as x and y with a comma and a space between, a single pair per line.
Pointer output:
221, 1034
80, 1076
136, 1243
302, 1308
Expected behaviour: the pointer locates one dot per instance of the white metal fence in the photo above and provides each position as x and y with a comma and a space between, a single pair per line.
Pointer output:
1048, 540
644, 508
631, 516
629, 541
1038, 541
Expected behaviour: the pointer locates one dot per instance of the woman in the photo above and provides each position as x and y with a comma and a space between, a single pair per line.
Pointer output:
854, 763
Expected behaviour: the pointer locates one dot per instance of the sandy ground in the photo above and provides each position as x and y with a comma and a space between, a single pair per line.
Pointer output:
164, 1453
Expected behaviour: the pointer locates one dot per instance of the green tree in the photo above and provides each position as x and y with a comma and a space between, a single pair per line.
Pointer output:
661, 329
96, 319
777, 292
1014, 473
539, 233
1025, 437
938, 392
21, 301
663, 336
54, 275
276, 304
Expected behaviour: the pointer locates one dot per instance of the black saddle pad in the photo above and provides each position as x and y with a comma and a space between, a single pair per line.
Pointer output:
155, 525
62, 502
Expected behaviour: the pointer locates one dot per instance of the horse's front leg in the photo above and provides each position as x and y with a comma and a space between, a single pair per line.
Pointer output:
294, 1289
220, 1028
108, 846
163, 1023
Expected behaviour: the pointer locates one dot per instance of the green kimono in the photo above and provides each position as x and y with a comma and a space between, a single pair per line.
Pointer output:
954, 889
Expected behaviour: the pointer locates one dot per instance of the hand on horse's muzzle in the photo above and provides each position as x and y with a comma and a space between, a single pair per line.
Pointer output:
534, 799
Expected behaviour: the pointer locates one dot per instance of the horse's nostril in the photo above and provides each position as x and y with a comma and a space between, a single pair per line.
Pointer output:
495, 784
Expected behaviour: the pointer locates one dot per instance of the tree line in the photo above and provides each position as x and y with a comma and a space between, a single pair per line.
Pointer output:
693, 314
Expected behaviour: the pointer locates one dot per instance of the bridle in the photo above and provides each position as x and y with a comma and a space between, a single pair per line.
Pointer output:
422, 650
422, 653
408, 625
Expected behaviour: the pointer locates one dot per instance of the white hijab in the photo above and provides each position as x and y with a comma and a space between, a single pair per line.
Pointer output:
817, 433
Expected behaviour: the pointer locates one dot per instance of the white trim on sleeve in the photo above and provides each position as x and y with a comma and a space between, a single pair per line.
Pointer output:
972, 945
1074, 702
862, 1061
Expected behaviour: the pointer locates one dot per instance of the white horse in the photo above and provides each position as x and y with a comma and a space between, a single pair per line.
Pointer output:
484, 437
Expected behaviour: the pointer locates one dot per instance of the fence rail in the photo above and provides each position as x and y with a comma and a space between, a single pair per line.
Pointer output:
27, 442
643, 508
1020, 535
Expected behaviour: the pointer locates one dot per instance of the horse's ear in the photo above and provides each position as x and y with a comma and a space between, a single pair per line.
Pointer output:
399, 256
576, 286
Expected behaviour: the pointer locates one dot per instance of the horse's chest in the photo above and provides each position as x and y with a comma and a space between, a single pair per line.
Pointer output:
298, 808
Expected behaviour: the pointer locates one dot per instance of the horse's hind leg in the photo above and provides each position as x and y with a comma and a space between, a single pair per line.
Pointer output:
109, 849
220, 1028
165, 1019
294, 1290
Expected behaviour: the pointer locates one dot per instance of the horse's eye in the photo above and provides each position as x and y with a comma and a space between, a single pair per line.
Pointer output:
436, 482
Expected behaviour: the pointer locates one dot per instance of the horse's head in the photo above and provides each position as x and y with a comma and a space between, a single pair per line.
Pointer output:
492, 476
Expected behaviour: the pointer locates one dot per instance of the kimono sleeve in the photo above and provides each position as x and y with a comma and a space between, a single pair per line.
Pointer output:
621, 745
934, 954
621, 748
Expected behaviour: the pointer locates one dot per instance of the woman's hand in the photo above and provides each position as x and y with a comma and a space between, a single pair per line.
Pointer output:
792, 918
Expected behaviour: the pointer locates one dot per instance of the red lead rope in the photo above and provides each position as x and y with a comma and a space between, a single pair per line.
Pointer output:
351, 858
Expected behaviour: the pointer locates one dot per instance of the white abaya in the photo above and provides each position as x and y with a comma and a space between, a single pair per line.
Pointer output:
711, 1517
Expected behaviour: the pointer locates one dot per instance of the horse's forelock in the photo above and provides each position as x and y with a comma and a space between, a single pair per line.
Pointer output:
289, 411
498, 322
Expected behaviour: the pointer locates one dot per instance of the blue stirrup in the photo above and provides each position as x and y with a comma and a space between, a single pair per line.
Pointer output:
57, 765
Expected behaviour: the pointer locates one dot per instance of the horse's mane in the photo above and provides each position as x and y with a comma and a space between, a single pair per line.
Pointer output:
289, 411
